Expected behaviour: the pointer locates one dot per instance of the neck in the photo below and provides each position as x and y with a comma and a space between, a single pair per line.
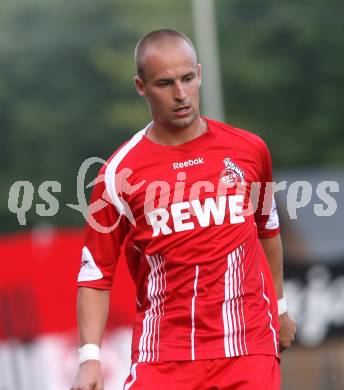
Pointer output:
166, 136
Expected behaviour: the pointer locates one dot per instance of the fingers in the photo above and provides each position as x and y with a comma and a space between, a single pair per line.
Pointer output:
88, 387
285, 344
88, 384
100, 385
287, 331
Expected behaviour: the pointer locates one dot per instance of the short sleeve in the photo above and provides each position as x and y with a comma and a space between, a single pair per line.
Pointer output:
266, 216
105, 232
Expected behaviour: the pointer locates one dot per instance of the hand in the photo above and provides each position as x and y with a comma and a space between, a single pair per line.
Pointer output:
89, 376
287, 331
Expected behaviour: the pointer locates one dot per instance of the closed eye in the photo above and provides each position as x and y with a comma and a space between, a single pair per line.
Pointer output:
163, 83
189, 77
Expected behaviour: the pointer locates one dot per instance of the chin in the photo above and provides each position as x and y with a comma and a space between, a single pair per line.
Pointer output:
184, 122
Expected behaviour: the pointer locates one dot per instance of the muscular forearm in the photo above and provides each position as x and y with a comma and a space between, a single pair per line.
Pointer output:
274, 253
93, 308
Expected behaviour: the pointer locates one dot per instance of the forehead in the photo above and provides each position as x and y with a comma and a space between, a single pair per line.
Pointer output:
168, 59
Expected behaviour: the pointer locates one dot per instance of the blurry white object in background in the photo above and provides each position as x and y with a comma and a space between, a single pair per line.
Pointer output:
50, 363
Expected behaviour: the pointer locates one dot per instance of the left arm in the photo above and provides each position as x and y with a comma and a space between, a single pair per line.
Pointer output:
267, 221
274, 254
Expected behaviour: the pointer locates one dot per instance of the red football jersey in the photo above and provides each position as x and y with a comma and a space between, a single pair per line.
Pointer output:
190, 226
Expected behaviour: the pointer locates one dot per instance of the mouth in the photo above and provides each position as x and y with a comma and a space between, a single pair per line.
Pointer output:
182, 111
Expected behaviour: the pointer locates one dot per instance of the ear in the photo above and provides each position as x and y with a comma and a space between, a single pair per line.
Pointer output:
199, 74
140, 86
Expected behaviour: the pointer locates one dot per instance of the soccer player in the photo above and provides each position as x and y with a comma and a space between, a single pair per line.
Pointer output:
205, 255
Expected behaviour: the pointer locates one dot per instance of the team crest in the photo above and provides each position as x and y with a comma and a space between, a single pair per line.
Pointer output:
232, 174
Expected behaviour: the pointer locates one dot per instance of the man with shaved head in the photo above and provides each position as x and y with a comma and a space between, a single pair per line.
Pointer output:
206, 260
177, 119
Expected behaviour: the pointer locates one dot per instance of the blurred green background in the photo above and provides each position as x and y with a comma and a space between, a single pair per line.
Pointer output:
67, 92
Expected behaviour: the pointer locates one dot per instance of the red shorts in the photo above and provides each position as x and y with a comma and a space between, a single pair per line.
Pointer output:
252, 372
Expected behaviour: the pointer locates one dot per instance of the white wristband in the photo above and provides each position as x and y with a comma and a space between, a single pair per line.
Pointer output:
89, 352
282, 306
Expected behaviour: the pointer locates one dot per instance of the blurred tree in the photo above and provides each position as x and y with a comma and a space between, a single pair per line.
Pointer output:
66, 88
282, 72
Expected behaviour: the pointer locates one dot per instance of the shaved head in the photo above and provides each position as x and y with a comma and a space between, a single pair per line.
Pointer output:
159, 39
169, 78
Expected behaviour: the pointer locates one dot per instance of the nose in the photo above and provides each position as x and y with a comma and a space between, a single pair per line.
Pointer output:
179, 91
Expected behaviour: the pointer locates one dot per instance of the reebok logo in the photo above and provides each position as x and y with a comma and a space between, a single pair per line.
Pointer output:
188, 163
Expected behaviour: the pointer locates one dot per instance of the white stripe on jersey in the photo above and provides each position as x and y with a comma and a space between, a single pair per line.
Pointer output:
152, 298
150, 338
225, 314
150, 313
162, 296
89, 270
241, 283
235, 295
273, 221
232, 307
193, 315
111, 170
231, 262
133, 374
270, 317
157, 288
234, 302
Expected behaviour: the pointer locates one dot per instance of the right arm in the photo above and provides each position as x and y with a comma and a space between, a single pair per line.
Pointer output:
104, 234
93, 308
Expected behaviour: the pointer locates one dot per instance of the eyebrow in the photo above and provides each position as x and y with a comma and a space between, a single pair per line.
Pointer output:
171, 79
192, 73
164, 80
